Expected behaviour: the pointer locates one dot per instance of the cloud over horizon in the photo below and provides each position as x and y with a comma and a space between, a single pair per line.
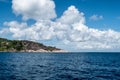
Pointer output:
69, 29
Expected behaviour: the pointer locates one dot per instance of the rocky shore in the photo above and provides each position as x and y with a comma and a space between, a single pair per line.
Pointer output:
25, 46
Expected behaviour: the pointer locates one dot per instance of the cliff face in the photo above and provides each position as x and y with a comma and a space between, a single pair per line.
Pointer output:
24, 46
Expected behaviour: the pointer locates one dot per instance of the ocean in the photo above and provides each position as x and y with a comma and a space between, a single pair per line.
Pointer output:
60, 66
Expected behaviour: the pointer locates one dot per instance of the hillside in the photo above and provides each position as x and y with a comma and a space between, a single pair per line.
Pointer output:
24, 46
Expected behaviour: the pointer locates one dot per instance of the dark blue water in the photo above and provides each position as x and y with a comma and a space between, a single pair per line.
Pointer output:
59, 66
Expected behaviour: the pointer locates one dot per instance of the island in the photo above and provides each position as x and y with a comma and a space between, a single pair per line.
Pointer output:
25, 46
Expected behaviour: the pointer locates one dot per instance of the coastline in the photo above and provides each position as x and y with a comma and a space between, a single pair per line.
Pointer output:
39, 51
25, 46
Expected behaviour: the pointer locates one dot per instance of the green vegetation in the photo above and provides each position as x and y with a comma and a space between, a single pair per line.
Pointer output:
9, 45
22, 45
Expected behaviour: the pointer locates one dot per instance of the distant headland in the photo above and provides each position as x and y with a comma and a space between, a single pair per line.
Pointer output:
25, 46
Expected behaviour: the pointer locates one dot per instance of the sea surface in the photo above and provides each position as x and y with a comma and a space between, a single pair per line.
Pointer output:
60, 66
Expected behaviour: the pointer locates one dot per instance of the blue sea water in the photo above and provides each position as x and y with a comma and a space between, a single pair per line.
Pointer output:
59, 66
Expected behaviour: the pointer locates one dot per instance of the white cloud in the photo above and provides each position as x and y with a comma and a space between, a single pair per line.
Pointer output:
96, 17
69, 29
4, 32
71, 16
34, 9
38, 31
101, 40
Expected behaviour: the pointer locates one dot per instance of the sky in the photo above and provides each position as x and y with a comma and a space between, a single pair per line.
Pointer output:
72, 25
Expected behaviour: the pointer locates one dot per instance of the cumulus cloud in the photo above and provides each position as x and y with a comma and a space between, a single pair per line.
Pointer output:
38, 31
70, 29
71, 16
101, 40
34, 9
96, 17
4, 32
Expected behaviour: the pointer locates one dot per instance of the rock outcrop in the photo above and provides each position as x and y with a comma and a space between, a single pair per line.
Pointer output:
25, 46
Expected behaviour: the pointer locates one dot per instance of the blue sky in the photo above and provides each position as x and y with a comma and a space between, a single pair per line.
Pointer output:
108, 9
102, 17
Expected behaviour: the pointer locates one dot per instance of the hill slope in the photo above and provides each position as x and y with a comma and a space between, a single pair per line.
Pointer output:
25, 46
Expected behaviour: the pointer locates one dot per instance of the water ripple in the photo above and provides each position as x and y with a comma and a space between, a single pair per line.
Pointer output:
74, 66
